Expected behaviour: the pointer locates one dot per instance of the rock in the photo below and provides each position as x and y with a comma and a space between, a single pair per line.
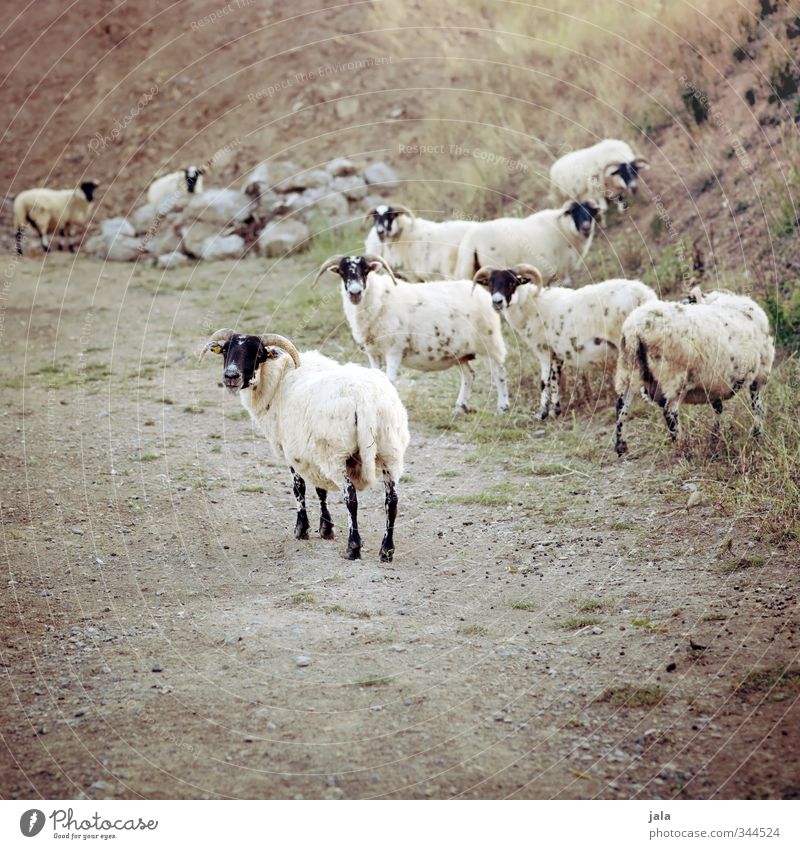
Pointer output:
341, 167
696, 499
223, 207
162, 241
222, 247
353, 188
262, 196
282, 237
104, 786
172, 260
114, 248
271, 173
300, 182
597, 630
194, 237
142, 219
302, 660
157, 667
113, 227
380, 173
347, 109
332, 206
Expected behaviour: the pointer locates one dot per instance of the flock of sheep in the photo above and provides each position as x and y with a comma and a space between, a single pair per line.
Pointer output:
429, 295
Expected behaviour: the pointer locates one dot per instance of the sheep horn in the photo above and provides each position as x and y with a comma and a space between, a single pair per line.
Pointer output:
528, 273
220, 336
368, 216
397, 207
381, 261
330, 262
482, 276
272, 340
641, 162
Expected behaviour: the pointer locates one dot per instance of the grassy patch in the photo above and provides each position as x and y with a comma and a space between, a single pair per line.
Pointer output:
374, 681
590, 605
522, 604
574, 623
651, 625
472, 630
302, 598
780, 678
632, 696
255, 489
739, 563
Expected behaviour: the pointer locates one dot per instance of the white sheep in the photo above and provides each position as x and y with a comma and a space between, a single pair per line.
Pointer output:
337, 426
608, 170
575, 327
554, 240
702, 351
428, 328
415, 248
53, 211
164, 191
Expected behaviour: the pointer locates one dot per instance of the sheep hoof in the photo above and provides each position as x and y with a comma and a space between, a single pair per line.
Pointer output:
501, 410
541, 415
300, 531
326, 530
353, 552
462, 409
621, 448
386, 555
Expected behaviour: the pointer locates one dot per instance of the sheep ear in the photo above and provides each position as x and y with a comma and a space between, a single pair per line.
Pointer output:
611, 170
334, 269
641, 164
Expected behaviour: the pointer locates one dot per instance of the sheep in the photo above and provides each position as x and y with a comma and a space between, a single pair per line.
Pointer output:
163, 191
608, 170
701, 351
52, 211
415, 247
428, 328
554, 240
577, 327
335, 425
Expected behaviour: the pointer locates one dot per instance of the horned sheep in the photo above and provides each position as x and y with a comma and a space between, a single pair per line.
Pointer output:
429, 328
702, 351
417, 248
553, 240
53, 211
337, 426
576, 327
608, 170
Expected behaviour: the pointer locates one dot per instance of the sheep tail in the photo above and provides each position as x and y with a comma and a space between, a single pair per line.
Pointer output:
649, 382
366, 421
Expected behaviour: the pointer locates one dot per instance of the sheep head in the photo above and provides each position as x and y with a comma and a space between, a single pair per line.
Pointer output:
503, 282
354, 271
384, 219
244, 355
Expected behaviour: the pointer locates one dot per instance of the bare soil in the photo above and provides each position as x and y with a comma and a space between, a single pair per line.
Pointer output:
533, 638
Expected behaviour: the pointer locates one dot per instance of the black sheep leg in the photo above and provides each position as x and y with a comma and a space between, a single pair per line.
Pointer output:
299, 489
353, 538
387, 546
325, 521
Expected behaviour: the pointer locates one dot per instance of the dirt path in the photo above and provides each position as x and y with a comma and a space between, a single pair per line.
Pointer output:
163, 634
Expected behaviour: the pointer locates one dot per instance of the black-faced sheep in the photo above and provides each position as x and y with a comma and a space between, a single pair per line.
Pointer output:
336, 426
608, 170
553, 240
53, 211
164, 190
417, 248
574, 327
427, 327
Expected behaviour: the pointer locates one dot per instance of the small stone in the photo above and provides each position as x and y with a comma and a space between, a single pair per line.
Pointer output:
302, 660
101, 785
597, 630
78, 531
157, 667
696, 499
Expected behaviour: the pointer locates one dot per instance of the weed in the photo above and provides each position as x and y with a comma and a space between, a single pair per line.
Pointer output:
633, 696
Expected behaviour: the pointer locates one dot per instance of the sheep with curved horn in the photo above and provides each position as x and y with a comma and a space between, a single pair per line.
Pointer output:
429, 328
336, 426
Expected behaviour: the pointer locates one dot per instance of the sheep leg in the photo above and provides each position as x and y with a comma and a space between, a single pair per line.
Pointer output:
353, 538
374, 362
757, 406
716, 430
555, 387
544, 385
387, 546
393, 359
467, 378
671, 409
299, 489
325, 521
624, 401
19, 241
500, 381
